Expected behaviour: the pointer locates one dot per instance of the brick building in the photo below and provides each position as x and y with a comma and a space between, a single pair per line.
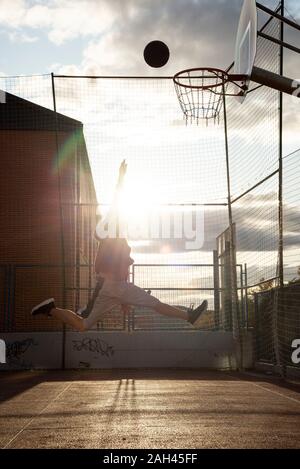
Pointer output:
48, 213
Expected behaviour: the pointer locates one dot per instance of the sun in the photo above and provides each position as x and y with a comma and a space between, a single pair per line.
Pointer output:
137, 200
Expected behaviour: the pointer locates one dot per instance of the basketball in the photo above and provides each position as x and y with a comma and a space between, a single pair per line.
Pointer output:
156, 54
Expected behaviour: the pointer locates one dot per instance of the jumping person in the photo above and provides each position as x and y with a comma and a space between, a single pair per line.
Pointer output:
112, 267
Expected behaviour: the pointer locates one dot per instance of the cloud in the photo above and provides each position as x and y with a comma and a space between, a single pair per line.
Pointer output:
194, 30
62, 19
256, 217
16, 36
198, 32
12, 13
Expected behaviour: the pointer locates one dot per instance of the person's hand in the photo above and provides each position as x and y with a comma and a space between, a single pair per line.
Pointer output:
122, 172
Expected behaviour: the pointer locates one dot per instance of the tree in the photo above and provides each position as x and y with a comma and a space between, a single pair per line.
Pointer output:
296, 280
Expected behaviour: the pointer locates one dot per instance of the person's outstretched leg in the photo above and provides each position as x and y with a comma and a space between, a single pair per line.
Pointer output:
130, 294
68, 317
168, 310
192, 316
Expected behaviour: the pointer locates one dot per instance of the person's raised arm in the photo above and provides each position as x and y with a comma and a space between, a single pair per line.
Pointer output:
113, 213
119, 187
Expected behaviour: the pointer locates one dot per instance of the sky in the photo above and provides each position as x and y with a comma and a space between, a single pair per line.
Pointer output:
107, 37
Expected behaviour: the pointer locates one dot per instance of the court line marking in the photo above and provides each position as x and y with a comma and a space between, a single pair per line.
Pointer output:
35, 416
270, 390
276, 392
70, 384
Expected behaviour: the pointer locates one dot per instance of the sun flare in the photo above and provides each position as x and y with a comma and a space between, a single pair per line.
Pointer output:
137, 200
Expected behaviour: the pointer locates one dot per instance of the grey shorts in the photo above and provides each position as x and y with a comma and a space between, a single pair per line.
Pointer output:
116, 293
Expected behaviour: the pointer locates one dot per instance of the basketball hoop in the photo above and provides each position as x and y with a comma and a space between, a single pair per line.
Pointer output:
201, 91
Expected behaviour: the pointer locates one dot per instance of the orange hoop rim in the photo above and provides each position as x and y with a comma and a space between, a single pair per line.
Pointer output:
223, 76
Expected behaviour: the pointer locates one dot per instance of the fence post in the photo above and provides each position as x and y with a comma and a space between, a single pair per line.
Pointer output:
62, 239
256, 328
216, 289
246, 296
228, 287
241, 301
280, 161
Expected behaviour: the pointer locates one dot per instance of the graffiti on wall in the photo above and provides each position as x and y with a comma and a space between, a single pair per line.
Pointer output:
97, 346
16, 350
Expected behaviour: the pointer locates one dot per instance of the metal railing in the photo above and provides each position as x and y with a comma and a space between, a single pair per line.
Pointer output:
181, 285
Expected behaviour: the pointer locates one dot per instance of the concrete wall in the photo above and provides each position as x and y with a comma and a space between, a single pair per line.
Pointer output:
101, 350
32, 350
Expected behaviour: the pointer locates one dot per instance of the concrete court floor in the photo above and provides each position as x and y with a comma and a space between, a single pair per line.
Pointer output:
147, 409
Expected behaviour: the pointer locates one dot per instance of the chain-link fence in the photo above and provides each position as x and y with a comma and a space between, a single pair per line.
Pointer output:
62, 139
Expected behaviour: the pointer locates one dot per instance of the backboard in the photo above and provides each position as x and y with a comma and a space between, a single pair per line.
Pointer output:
246, 43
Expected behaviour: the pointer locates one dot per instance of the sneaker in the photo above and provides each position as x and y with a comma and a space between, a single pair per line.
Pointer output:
196, 314
44, 307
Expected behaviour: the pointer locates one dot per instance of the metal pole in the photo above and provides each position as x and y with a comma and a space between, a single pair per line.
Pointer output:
62, 241
255, 186
280, 166
229, 215
256, 328
280, 16
90, 251
246, 296
78, 214
286, 45
131, 315
227, 159
242, 304
216, 289
280, 201
275, 81
233, 279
